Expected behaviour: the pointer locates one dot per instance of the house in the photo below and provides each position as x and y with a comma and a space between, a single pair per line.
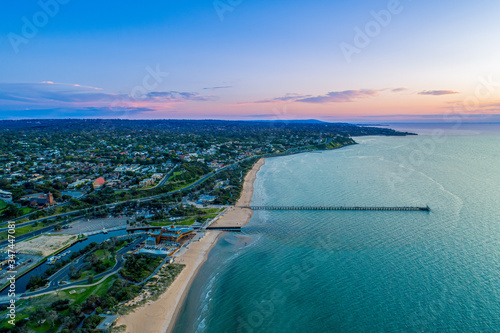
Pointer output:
157, 176
4, 195
98, 183
146, 182
78, 183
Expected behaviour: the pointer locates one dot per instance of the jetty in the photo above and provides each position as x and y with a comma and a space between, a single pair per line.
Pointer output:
233, 229
347, 208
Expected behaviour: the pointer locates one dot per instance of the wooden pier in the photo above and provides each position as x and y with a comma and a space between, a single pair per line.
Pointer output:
353, 208
234, 229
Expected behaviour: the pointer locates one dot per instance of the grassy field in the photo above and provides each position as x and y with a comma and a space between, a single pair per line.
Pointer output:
81, 294
189, 220
212, 210
24, 230
45, 301
106, 256
26, 210
103, 255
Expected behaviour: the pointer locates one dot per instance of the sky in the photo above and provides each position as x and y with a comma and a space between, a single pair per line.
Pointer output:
364, 61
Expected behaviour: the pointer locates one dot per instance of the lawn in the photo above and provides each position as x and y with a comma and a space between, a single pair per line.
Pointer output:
213, 212
161, 223
26, 210
45, 301
82, 294
3, 204
188, 221
106, 256
24, 230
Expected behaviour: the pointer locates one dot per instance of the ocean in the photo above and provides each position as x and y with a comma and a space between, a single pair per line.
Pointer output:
364, 271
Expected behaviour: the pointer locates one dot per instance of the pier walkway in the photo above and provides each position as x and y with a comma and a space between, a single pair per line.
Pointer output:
364, 208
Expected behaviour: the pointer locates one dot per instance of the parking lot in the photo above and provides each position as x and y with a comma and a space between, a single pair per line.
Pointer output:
85, 226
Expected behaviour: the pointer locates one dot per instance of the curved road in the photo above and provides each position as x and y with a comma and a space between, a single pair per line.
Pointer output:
79, 263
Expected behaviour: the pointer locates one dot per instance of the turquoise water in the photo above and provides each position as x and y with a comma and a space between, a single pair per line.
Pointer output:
329, 271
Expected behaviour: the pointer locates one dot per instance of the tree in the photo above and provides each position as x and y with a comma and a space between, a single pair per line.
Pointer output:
75, 310
11, 211
52, 316
92, 301
37, 315
92, 321
60, 305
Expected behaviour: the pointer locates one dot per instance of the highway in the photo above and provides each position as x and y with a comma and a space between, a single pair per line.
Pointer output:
112, 205
35, 233
199, 181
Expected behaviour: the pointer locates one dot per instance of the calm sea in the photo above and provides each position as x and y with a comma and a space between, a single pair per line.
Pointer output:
354, 271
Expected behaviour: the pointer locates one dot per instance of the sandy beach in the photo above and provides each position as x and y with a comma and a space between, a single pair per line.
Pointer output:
237, 216
160, 315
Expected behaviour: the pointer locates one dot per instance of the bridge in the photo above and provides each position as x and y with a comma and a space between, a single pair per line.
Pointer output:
362, 208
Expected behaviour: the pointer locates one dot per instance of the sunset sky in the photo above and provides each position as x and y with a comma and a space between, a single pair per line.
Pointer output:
359, 61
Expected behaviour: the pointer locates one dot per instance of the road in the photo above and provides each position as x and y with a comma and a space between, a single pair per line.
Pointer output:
187, 188
36, 233
63, 273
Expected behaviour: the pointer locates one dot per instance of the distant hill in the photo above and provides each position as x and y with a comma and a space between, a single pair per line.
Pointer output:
294, 121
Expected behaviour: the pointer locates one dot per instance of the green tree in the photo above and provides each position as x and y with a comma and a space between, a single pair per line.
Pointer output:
37, 315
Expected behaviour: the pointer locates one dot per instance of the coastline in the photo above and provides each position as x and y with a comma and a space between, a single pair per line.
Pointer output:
237, 216
161, 315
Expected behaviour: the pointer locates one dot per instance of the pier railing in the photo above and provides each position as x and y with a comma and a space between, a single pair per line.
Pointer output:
363, 208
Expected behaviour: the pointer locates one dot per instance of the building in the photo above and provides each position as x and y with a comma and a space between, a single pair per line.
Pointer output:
146, 182
78, 183
98, 183
150, 241
157, 176
206, 198
40, 200
4, 195
172, 234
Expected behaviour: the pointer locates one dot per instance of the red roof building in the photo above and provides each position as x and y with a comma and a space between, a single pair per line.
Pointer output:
98, 183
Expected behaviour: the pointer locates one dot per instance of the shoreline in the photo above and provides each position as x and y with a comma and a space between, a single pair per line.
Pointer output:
237, 216
161, 315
